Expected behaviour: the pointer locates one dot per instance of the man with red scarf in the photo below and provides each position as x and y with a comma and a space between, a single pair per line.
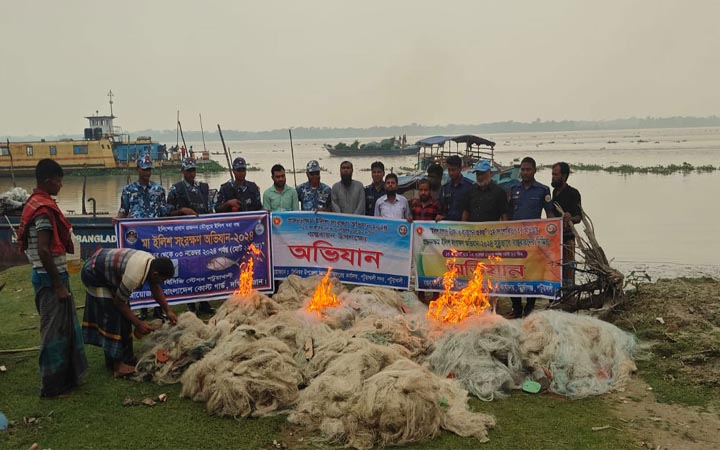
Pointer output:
45, 235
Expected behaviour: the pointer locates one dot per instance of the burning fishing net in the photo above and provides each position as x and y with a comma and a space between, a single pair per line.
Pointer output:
483, 353
294, 291
578, 355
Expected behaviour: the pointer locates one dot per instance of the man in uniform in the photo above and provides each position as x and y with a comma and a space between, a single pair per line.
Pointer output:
376, 189
239, 194
528, 199
569, 200
312, 194
192, 198
348, 195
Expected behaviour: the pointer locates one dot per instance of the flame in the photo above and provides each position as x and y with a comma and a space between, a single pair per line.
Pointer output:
323, 297
246, 272
454, 307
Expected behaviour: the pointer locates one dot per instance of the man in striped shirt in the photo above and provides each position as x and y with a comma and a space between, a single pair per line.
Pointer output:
46, 236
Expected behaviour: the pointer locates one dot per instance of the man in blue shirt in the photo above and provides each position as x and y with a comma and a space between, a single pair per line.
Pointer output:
528, 199
454, 193
376, 189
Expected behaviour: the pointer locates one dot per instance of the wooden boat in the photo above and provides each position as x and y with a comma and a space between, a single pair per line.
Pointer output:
386, 147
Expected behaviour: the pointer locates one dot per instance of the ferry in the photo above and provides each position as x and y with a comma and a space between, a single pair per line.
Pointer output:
104, 146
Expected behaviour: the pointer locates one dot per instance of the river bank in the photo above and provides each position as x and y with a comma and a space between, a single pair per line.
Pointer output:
672, 401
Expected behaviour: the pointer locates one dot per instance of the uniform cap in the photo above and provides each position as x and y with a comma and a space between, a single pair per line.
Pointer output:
144, 162
313, 166
239, 163
482, 166
188, 163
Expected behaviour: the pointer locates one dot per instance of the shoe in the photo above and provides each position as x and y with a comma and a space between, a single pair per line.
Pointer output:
143, 314
513, 315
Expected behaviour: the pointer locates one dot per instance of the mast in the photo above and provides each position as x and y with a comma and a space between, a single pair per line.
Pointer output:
111, 95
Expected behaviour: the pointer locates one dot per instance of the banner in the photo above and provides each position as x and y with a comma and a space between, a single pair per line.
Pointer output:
207, 252
530, 253
360, 249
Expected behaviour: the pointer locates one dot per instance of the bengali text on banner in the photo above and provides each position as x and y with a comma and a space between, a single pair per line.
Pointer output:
521, 258
207, 251
359, 249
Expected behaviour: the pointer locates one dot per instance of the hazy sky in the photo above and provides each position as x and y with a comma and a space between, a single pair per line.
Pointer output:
269, 64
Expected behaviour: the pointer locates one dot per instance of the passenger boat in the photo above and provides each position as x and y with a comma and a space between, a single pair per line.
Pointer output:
386, 147
470, 148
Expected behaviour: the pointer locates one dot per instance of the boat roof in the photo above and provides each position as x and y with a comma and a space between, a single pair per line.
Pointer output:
469, 139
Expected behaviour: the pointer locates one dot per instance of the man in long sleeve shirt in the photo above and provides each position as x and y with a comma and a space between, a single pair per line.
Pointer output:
348, 195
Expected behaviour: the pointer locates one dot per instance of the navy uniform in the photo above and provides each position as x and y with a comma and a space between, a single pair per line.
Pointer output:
248, 193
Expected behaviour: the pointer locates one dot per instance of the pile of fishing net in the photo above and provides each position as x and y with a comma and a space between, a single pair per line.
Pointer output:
374, 370
578, 355
571, 355
13, 200
374, 396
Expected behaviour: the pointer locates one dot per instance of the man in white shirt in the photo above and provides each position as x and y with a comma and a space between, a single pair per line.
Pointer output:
391, 205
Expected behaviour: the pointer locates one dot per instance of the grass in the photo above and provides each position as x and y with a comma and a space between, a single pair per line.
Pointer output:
95, 418
626, 169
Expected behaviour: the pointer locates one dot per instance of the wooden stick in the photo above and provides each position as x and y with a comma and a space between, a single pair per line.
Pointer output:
227, 154
19, 350
12, 165
292, 153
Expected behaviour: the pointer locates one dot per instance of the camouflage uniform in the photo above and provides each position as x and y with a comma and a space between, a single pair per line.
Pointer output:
313, 199
141, 202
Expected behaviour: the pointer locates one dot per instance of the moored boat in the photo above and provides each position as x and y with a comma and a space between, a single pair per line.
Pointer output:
386, 147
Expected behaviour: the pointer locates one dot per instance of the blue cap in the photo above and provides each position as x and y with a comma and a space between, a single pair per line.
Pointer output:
144, 162
188, 163
239, 163
312, 166
482, 166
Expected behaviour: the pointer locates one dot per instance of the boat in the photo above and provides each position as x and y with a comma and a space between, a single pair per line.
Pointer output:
470, 148
104, 146
386, 147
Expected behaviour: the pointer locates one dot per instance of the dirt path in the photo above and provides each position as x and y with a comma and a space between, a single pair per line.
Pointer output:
664, 426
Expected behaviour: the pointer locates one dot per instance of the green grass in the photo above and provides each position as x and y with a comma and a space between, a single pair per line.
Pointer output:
626, 169
95, 418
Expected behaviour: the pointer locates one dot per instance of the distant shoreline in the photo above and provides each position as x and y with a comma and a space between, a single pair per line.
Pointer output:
414, 129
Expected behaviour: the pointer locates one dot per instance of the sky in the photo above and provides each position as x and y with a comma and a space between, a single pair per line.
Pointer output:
331, 63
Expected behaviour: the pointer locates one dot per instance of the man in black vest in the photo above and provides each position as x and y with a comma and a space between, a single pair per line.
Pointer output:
191, 198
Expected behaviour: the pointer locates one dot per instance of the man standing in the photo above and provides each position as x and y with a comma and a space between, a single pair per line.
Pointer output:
348, 195
313, 195
528, 199
376, 189
454, 193
391, 205
279, 196
434, 176
486, 201
46, 237
191, 198
424, 207
145, 199
239, 194
569, 200
110, 276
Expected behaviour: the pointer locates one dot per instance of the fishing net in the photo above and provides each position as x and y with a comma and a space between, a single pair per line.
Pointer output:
406, 403
252, 309
246, 374
167, 352
483, 353
407, 335
13, 200
578, 355
294, 291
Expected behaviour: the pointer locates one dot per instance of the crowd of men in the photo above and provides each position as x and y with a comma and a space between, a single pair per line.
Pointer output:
111, 275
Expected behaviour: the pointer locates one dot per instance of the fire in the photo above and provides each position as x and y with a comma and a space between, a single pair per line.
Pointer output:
454, 307
323, 297
246, 272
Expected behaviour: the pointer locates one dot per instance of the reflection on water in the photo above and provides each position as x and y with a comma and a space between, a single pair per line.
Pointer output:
663, 223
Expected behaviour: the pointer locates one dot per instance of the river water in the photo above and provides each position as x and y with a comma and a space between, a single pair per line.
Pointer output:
664, 224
